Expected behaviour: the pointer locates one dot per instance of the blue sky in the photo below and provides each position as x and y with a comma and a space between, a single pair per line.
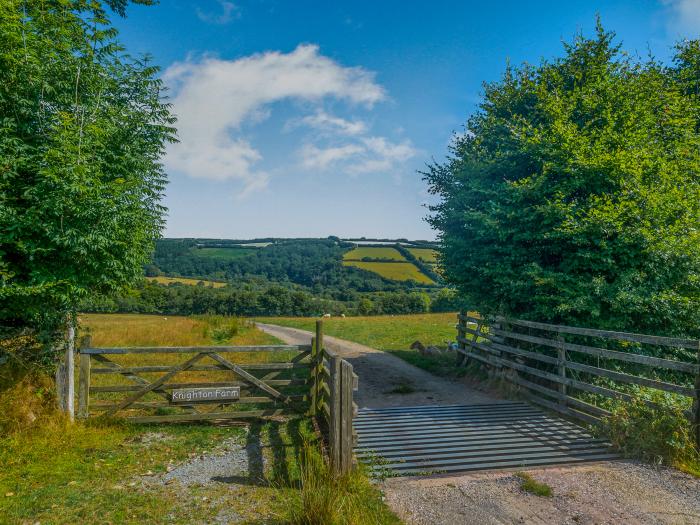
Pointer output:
308, 119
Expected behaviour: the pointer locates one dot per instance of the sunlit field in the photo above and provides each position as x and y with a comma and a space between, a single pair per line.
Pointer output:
374, 252
427, 255
396, 271
186, 280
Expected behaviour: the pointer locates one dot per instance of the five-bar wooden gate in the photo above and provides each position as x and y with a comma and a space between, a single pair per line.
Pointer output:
138, 383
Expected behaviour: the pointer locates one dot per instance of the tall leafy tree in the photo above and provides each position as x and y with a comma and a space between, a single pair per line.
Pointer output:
82, 128
574, 195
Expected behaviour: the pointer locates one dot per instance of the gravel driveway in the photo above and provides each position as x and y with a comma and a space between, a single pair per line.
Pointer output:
602, 493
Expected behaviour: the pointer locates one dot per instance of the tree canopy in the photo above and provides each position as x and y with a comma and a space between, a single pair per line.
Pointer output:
574, 195
82, 128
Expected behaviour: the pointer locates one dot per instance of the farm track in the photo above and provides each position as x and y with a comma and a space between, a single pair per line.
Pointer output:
601, 493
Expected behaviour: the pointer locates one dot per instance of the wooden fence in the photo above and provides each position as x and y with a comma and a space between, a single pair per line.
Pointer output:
333, 383
139, 384
568, 369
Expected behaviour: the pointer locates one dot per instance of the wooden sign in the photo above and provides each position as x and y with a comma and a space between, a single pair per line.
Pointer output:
203, 395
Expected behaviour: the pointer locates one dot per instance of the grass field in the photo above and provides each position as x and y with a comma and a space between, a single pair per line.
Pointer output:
186, 280
393, 333
374, 252
229, 254
396, 271
427, 255
157, 330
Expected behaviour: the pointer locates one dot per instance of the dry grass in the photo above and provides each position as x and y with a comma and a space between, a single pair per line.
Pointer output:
154, 330
186, 280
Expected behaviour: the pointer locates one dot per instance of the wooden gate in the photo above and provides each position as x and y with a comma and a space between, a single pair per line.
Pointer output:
169, 384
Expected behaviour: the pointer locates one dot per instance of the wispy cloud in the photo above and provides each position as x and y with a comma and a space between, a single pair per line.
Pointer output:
684, 16
325, 122
213, 98
228, 12
365, 155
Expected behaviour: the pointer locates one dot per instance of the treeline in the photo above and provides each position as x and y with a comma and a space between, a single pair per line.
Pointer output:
312, 263
261, 299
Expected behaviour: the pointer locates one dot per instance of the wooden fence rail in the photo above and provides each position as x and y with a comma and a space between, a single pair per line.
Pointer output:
559, 367
333, 384
134, 394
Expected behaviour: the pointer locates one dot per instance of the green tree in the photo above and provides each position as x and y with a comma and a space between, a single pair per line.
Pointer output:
82, 128
574, 195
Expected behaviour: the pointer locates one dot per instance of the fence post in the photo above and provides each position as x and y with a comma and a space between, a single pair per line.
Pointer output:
319, 359
346, 412
561, 368
334, 425
84, 381
65, 374
314, 379
461, 335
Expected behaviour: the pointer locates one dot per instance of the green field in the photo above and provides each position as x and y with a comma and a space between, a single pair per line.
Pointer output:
427, 255
230, 254
186, 280
396, 271
393, 333
357, 254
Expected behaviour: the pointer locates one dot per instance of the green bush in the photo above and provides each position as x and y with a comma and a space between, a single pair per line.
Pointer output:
574, 195
659, 433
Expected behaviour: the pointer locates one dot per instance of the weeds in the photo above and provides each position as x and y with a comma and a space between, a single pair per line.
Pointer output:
328, 499
658, 433
531, 485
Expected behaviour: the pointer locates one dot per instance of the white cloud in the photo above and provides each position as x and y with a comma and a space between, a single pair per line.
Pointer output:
330, 123
685, 16
213, 98
367, 155
228, 12
313, 157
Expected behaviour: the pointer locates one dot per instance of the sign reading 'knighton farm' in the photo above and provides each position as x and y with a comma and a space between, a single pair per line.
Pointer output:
190, 395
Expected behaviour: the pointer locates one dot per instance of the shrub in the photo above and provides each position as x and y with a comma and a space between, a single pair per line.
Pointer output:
660, 433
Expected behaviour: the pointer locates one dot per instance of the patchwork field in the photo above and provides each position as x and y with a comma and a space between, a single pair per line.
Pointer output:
426, 255
185, 280
374, 252
397, 271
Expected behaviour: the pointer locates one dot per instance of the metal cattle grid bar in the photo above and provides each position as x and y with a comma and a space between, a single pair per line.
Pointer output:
462, 438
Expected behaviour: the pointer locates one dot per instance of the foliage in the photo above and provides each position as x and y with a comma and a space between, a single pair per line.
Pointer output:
255, 298
82, 127
531, 485
574, 195
660, 433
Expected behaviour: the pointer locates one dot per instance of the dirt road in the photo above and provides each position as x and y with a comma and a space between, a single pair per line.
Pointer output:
603, 493
382, 374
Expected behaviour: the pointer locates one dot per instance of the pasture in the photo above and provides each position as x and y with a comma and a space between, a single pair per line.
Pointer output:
185, 280
373, 252
426, 255
396, 271
393, 333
